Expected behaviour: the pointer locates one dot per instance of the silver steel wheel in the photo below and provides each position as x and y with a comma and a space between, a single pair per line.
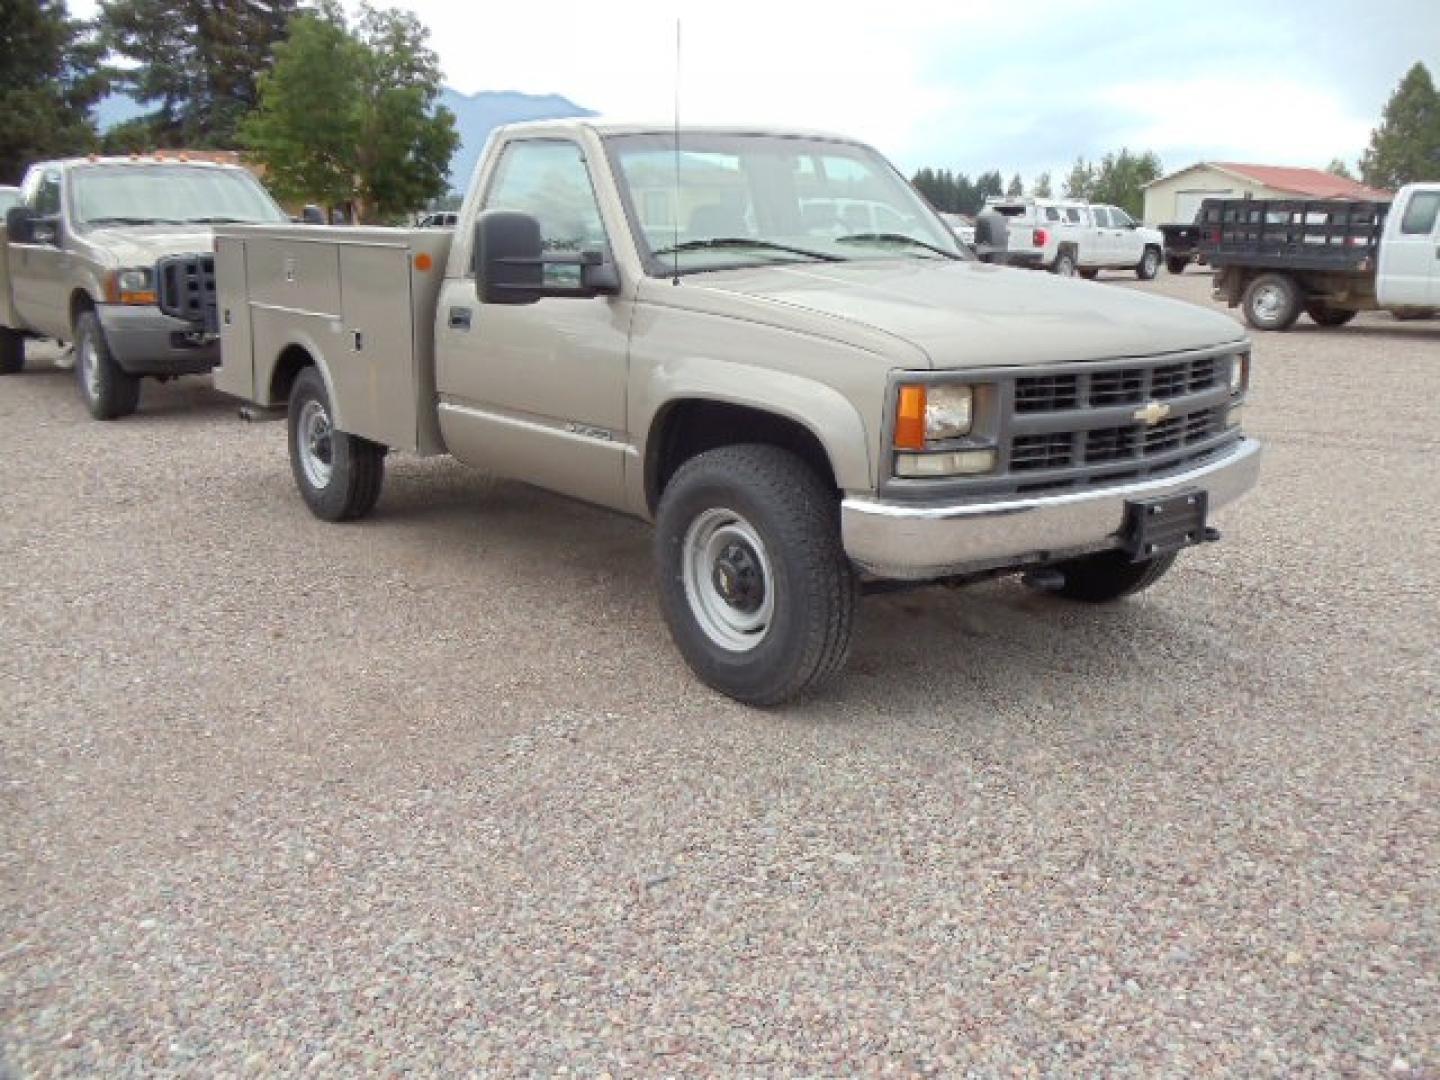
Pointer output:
1065, 266
90, 369
1151, 263
314, 441
1269, 303
728, 580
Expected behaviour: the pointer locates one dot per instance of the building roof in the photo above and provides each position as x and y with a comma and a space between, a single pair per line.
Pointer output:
1309, 183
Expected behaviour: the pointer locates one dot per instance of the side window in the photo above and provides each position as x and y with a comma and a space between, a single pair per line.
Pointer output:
1420, 214
1120, 219
547, 178
1102, 217
47, 194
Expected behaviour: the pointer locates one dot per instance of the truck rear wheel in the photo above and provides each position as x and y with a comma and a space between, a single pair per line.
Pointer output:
1064, 264
1325, 315
754, 583
1109, 576
1176, 264
1272, 302
108, 391
12, 352
1149, 265
338, 475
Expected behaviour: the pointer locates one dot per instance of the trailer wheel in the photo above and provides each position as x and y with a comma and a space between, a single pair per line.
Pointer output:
1325, 315
1272, 302
12, 351
108, 391
1149, 264
338, 475
754, 583
1064, 264
1176, 264
1109, 576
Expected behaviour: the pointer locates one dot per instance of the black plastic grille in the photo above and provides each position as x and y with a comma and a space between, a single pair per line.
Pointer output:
1117, 386
185, 289
1111, 445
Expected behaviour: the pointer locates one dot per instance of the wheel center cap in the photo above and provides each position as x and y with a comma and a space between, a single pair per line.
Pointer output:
738, 579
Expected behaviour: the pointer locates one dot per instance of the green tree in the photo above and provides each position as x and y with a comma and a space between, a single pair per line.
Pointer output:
1405, 148
50, 78
384, 145
989, 184
1041, 188
1121, 179
196, 61
1081, 181
1337, 167
1017, 186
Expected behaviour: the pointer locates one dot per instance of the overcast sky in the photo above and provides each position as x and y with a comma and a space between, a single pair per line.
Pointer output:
1008, 84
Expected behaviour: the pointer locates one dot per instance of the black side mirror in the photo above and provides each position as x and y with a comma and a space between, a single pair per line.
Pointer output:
510, 261
19, 223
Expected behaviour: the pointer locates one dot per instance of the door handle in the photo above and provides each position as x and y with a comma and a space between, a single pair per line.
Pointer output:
459, 318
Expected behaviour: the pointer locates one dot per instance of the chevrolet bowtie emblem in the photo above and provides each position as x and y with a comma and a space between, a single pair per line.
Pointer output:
1152, 413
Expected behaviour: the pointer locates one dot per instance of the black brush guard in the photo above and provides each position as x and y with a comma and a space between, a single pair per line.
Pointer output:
185, 289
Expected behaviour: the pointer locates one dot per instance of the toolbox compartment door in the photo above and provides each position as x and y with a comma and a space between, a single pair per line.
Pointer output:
236, 373
374, 370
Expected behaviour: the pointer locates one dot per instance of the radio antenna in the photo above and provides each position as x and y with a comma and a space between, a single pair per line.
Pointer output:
675, 211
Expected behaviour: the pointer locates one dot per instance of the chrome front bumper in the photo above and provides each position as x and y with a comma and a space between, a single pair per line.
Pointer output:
917, 542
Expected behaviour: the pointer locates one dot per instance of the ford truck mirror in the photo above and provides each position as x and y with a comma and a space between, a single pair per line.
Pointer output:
510, 262
19, 223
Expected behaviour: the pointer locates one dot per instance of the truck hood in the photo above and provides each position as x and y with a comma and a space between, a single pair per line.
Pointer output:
968, 314
141, 245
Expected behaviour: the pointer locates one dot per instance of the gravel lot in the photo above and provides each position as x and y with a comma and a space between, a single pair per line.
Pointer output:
434, 792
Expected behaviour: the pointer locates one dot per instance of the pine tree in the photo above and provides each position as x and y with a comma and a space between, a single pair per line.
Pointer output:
1337, 167
52, 76
1405, 148
1016, 188
1041, 188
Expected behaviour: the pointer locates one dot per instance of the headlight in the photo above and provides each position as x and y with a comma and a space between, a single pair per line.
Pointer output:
932, 413
132, 286
1239, 372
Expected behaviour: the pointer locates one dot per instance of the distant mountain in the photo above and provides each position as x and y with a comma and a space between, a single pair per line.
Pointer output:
476, 115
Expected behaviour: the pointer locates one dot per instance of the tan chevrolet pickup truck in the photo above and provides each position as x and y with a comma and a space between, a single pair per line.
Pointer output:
77, 258
768, 345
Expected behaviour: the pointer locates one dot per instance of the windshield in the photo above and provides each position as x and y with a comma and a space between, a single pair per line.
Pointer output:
169, 194
9, 196
753, 200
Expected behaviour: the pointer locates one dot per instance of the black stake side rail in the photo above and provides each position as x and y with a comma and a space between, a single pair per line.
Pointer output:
1292, 234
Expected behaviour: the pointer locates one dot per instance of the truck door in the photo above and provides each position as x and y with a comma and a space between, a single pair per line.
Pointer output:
1128, 245
37, 270
537, 392
1409, 273
1102, 247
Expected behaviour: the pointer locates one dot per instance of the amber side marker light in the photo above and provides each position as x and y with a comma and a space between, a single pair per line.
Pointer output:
423, 261
910, 418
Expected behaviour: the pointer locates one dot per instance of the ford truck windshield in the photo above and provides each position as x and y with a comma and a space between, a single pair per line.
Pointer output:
733, 200
168, 195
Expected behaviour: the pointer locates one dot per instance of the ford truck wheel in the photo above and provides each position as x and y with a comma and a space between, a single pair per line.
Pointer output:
1176, 264
1272, 302
1110, 576
754, 583
1064, 265
338, 475
1325, 315
12, 352
109, 392
1148, 266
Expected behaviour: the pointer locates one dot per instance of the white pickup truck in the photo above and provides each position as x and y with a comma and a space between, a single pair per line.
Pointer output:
803, 412
1329, 259
1069, 238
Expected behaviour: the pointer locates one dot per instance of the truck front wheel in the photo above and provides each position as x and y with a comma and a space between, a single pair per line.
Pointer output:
1325, 315
754, 583
1272, 302
1109, 576
338, 475
12, 352
1149, 265
109, 392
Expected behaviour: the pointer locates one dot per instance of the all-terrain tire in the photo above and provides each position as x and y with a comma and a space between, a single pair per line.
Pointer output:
1325, 315
1064, 264
108, 391
339, 475
764, 511
12, 351
1272, 302
1149, 264
1176, 264
1110, 575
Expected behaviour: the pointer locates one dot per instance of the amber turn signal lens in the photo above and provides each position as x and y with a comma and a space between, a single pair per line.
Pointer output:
423, 262
910, 418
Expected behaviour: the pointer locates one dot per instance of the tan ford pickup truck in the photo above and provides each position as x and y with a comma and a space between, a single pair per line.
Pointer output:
77, 260
806, 409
